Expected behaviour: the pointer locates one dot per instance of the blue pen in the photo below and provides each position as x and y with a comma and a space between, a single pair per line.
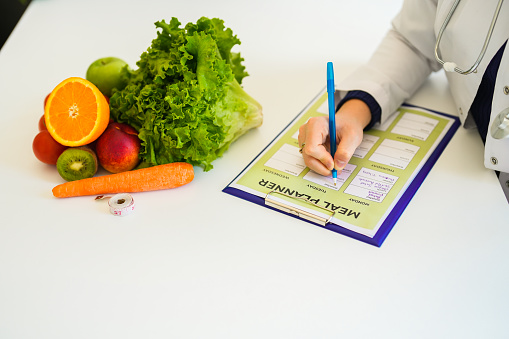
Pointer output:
332, 116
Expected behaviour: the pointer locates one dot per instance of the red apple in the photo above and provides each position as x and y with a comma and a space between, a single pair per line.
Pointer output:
118, 147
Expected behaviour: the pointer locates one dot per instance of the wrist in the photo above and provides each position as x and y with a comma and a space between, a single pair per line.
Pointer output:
370, 101
355, 111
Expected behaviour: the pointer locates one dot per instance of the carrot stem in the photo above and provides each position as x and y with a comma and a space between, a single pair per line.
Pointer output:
146, 179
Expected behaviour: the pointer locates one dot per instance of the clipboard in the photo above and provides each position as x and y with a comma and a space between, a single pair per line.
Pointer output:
305, 207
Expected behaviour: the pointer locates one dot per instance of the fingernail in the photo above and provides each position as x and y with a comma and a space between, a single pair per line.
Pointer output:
339, 165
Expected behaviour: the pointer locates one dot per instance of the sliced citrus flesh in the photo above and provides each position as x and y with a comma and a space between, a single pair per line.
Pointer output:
76, 113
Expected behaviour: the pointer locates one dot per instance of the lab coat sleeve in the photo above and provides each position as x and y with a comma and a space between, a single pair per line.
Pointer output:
402, 61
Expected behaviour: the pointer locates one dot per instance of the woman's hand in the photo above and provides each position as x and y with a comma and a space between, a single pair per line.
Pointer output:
351, 119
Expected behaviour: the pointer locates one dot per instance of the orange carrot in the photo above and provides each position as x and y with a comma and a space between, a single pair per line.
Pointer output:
146, 179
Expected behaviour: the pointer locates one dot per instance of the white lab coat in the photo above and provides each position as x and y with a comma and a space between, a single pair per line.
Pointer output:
406, 57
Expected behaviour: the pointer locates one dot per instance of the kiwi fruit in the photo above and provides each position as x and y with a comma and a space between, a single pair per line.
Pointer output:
77, 163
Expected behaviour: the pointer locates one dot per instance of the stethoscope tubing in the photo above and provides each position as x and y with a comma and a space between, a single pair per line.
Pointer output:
484, 48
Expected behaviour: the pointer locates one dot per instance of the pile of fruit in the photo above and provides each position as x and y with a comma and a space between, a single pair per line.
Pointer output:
76, 133
182, 107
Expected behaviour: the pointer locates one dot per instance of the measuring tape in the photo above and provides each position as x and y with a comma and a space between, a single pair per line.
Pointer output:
121, 204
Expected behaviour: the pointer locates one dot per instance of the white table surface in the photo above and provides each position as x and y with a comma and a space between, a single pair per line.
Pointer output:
194, 262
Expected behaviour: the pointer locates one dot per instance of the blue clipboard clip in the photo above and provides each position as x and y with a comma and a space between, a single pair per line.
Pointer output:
269, 201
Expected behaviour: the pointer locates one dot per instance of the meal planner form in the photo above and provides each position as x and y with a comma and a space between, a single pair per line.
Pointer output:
381, 171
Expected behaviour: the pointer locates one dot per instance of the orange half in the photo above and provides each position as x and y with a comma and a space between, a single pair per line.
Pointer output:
76, 113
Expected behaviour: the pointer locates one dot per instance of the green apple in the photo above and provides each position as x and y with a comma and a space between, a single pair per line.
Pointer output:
106, 74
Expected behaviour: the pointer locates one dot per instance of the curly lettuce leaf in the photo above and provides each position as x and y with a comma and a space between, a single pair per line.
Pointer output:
185, 98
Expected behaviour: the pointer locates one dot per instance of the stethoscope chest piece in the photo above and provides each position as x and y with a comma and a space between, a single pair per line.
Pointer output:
500, 125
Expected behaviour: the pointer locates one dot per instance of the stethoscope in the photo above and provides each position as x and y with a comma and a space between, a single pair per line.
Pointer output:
500, 126
451, 66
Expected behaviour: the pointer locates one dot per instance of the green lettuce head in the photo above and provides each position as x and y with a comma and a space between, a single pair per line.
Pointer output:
185, 97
